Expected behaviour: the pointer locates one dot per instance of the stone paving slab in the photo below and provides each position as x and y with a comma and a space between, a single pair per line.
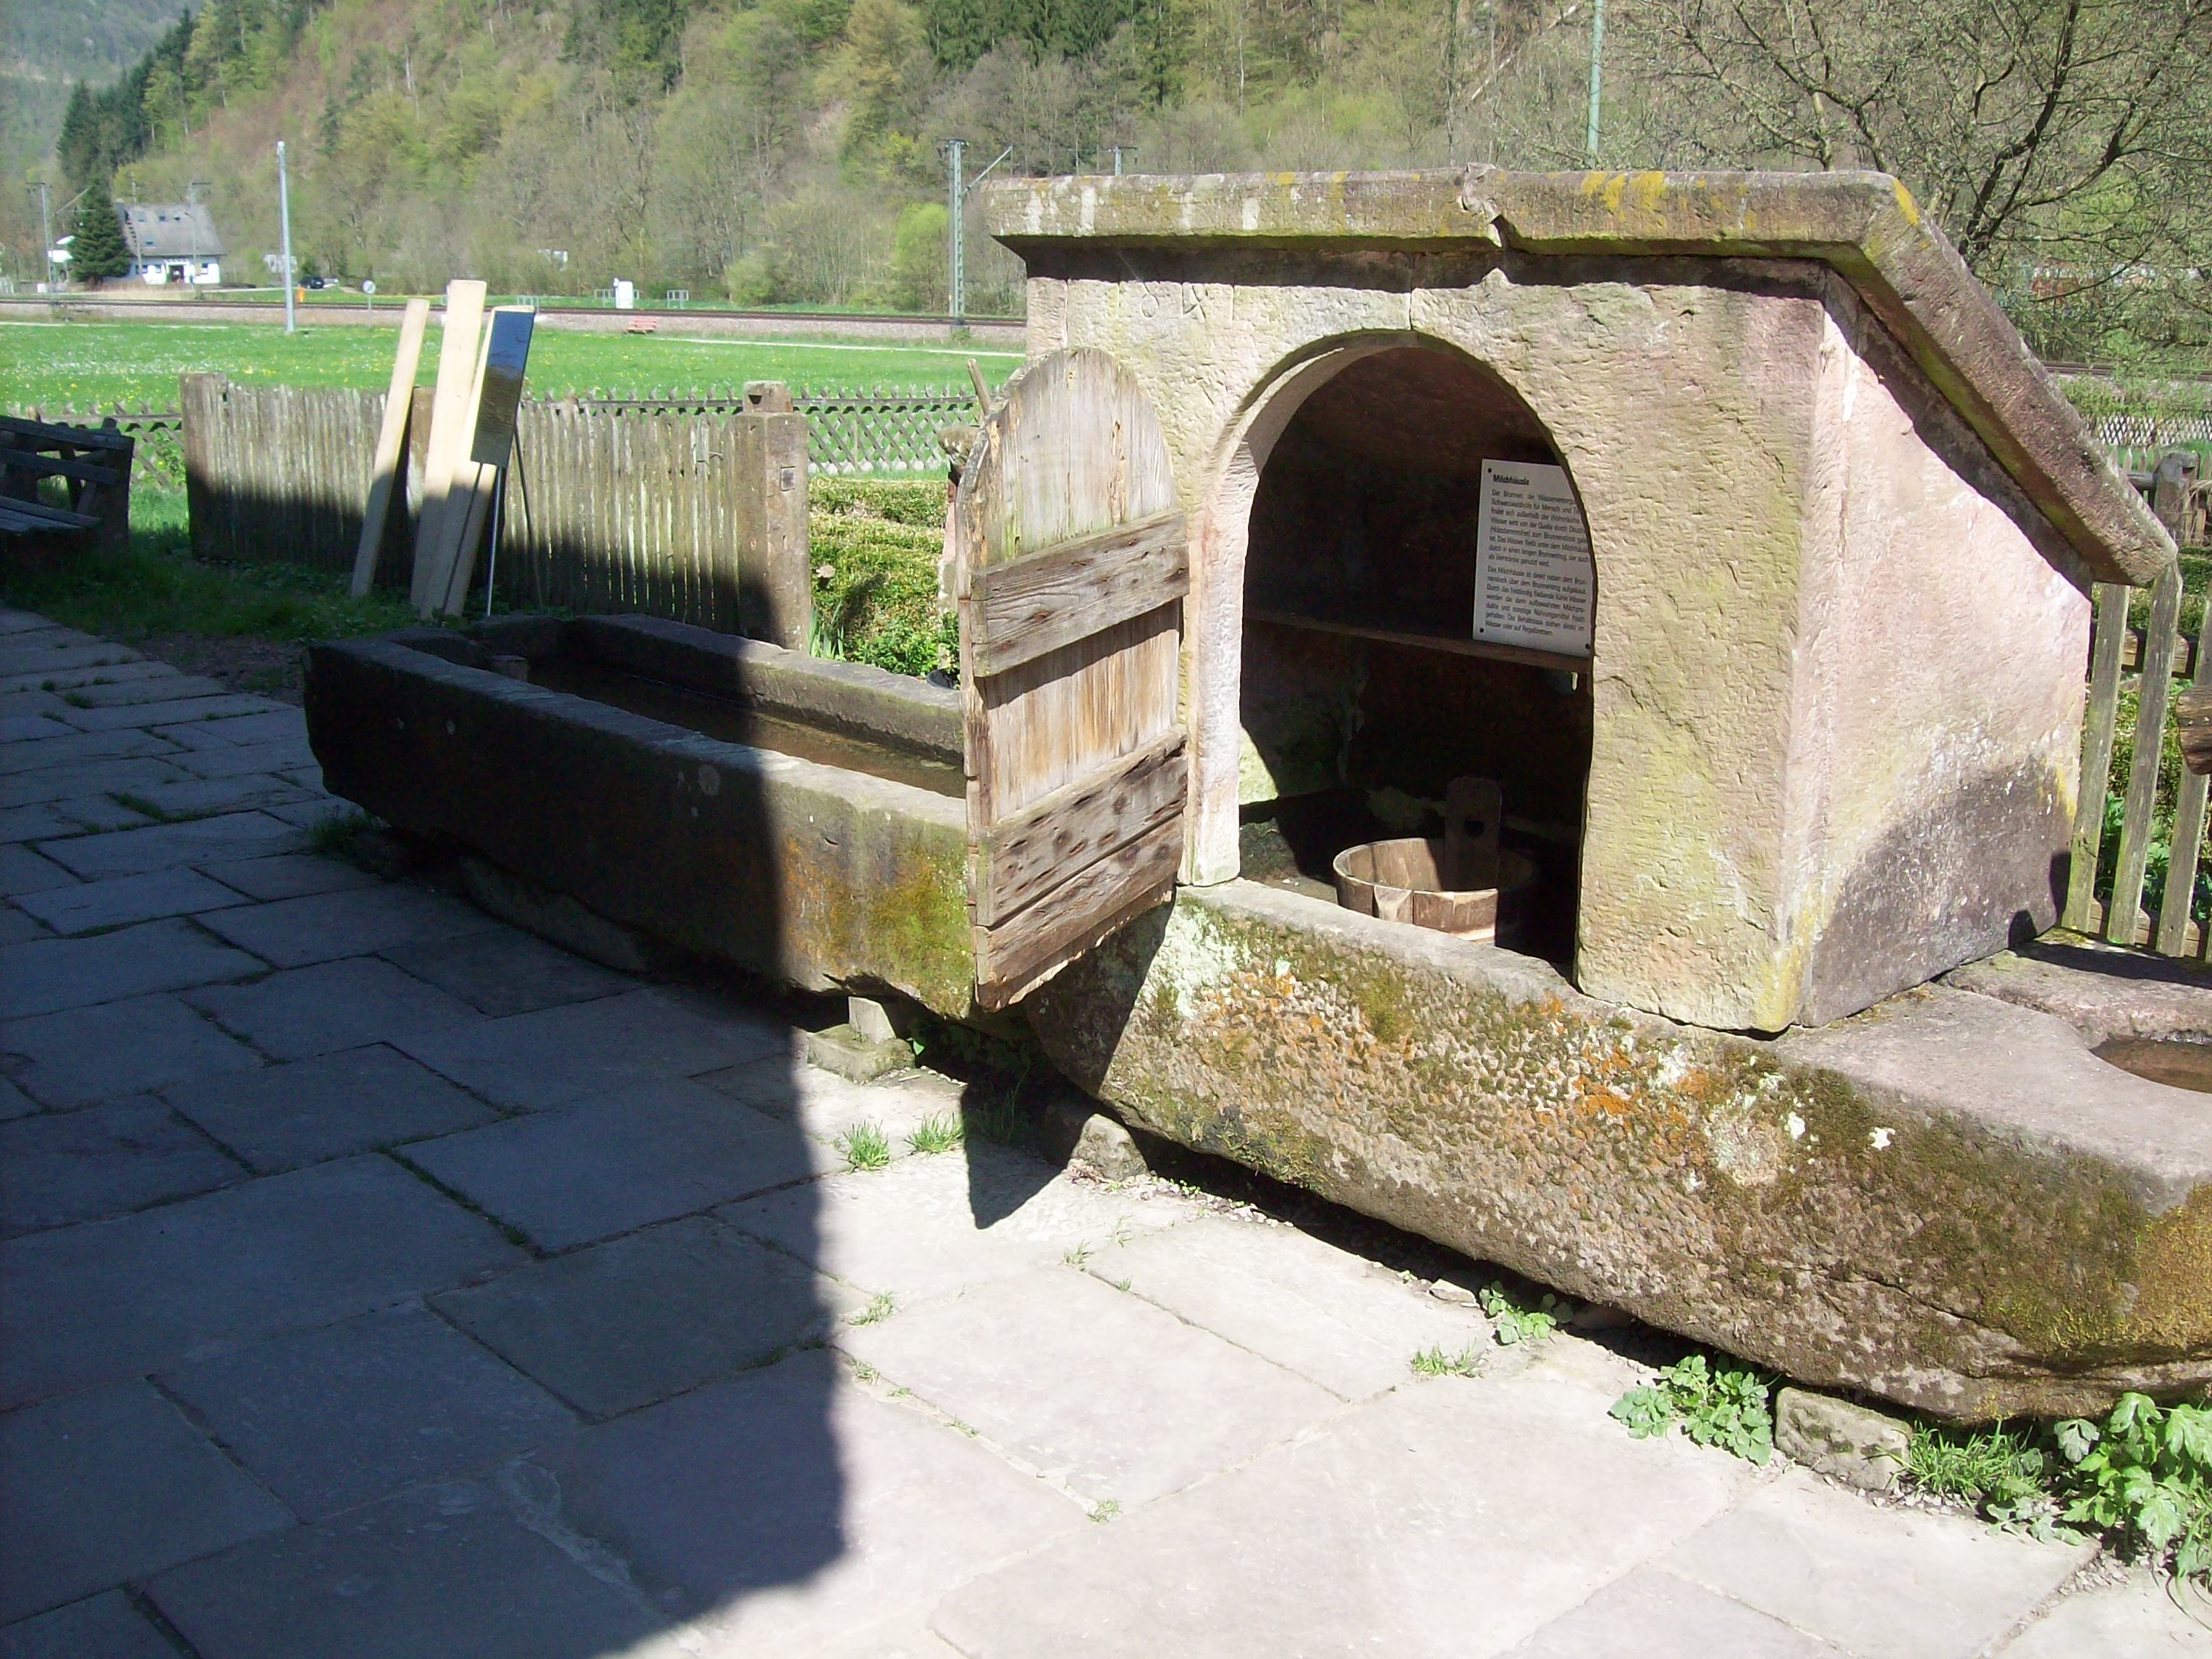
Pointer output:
151, 689
63, 1167
102, 1627
14, 1102
83, 1056
162, 846
51, 819
1098, 1392
89, 1304
23, 871
108, 1486
557, 1056
1459, 1515
2135, 1619
18, 928
287, 875
49, 752
648, 1153
632, 1321
828, 1107
332, 1106
787, 1507
1327, 1315
503, 971
54, 783
931, 1227
447, 1569
171, 710
1650, 1615
33, 659
190, 736
48, 976
97, 812
333, 1419
205, 796
71, 679
351, 921
303, 1012
276, 723
28, 728
230, 760
1881, 1583
120, 901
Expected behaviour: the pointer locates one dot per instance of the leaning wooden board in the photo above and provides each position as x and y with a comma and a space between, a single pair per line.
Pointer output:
390, 442
451, 427
498, 407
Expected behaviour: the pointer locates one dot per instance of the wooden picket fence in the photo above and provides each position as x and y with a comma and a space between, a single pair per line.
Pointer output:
2159, 655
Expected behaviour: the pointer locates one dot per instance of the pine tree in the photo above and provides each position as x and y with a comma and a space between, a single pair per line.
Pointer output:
99, 250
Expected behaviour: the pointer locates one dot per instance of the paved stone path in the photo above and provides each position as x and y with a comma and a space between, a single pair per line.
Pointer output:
379, 1280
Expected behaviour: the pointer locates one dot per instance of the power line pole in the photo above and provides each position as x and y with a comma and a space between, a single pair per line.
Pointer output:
45, 237
1597, 61
956, 199
956, 194
285, 217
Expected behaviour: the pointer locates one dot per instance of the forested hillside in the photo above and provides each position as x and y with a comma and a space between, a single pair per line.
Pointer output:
47, 44
792, 149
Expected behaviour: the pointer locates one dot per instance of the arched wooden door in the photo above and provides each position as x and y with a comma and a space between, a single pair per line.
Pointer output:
1071, 564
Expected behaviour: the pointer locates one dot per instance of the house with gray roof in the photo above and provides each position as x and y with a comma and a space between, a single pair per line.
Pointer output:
172, 242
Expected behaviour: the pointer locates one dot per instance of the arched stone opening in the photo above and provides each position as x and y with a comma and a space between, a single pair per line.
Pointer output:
1339, 554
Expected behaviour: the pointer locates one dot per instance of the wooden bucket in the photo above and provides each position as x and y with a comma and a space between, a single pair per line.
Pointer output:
1403, 881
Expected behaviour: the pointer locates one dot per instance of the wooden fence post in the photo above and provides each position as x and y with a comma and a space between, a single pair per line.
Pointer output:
774, 574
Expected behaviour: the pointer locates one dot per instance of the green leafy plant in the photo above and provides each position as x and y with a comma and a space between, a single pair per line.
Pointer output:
1516, 1323
2147, 1473
864, 1147
1725, 1406
940, 1132
1435, 1361
1106, 1511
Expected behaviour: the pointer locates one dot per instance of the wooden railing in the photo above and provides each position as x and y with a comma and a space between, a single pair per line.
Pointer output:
2160, 655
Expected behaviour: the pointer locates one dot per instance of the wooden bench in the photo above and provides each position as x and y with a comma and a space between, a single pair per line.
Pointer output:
93, 464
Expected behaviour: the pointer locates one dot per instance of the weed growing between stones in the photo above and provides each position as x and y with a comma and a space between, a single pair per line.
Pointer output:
864, 1147
2143, 1477
136, 803
1106, 1510
338, 835
1435, 1361
1516, 1323
940, 1132
1726, 1405
881, 1306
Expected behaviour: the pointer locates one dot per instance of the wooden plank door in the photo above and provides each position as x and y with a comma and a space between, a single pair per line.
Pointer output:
1070, 565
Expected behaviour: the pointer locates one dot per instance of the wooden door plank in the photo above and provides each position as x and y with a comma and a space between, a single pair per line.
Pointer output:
1011, 957
1047, 600
390, 442
2098, 721
450, 431
1060, 717
2173, 916
1073, 826
2153, 690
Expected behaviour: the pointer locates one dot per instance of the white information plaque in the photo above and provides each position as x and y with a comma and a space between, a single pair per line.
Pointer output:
1533, 581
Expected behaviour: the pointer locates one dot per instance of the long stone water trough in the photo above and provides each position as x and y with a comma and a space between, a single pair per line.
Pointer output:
1948, 1199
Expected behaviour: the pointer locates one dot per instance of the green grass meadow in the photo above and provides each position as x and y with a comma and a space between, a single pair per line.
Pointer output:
97, 365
